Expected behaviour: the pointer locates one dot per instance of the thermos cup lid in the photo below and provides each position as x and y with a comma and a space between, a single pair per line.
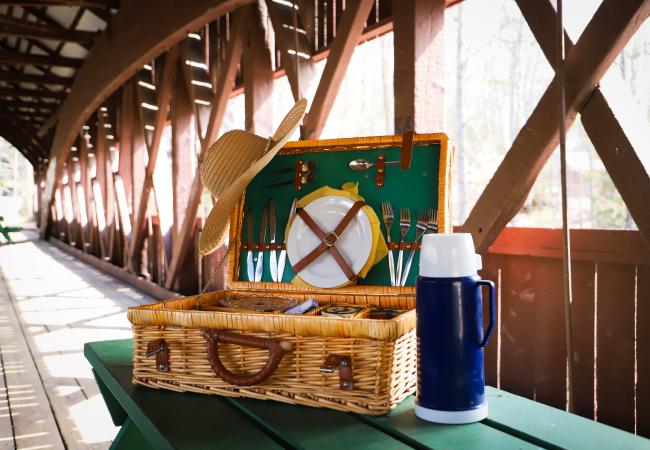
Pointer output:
448, 255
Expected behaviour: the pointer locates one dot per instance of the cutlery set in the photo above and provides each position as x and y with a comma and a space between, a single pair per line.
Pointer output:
255, 266
427, 222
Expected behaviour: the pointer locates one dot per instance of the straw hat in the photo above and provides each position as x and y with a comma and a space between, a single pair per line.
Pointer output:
231, 163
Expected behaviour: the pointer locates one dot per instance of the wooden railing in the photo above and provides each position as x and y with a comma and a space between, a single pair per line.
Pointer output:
611, 322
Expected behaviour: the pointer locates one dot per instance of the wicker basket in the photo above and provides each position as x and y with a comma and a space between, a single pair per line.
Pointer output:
360, 365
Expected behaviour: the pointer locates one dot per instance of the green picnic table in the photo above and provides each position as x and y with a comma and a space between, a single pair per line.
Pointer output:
160, 419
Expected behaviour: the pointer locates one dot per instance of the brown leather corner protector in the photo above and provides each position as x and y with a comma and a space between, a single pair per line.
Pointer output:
161, 350
344, 364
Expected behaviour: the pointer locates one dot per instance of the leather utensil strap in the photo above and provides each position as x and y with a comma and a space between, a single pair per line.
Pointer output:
328, 240
407, 149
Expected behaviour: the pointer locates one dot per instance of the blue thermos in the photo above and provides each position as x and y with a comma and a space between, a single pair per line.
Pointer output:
450, 337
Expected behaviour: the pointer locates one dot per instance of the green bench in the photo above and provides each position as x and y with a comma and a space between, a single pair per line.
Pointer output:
160, 419
5, 230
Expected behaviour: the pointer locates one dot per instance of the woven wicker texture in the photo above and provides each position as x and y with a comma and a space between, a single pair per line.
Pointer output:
384, 373
183, 312
229, 166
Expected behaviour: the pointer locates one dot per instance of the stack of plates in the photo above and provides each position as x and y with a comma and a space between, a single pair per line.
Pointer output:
354, 244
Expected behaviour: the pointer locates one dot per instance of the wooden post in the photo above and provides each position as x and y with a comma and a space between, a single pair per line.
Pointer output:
258, 78
419, 65
126, 124
183, 145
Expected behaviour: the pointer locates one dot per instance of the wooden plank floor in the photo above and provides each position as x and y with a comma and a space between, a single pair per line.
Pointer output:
50, 304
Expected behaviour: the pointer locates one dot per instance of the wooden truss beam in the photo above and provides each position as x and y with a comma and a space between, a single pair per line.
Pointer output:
33, 93
296, 52
22, 59
164, 95
258, 78
139, 41
223, 87
22, 105
18, 77
94, 4
347, 35
612, 26
12, 27
627, 167
419, 74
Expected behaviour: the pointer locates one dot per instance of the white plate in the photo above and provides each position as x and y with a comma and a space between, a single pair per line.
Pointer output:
354, 244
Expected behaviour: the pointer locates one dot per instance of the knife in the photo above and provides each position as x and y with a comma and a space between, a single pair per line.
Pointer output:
273, 262
250, 265
283, 253
259, 268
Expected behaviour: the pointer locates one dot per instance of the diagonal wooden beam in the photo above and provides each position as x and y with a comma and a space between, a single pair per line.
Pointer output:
223, 87
164, 95
347, 35
296, 53
612, 26
626, 165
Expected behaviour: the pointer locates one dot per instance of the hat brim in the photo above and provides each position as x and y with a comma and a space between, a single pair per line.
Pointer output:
228, 192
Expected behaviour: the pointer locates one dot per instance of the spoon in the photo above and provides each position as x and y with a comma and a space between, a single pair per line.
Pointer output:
359, 165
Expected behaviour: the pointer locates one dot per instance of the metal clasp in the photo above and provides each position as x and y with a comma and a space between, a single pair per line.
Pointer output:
330, 239
161, 350
344, 364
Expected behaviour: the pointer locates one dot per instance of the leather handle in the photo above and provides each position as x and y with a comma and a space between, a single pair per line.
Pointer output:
276, 352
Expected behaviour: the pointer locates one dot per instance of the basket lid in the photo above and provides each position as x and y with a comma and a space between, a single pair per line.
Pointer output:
235, 253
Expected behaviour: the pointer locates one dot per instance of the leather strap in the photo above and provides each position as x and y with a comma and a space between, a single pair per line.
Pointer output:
381, 169
407, 149
328, 240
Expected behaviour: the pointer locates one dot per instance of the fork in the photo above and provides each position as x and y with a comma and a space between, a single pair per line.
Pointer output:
432, 225
404, 226
387, 213
421, 227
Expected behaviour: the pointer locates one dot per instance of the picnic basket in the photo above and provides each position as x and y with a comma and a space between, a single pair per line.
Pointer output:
360, 365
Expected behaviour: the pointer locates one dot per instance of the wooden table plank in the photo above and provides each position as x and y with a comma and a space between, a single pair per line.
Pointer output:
405, 426
169, 419
317, 428
552, 427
